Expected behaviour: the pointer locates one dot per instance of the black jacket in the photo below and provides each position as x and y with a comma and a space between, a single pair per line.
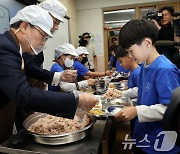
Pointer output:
14, 86
166, 33
33, 69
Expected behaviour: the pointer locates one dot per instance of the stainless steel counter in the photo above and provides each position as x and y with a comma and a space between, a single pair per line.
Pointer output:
89, 145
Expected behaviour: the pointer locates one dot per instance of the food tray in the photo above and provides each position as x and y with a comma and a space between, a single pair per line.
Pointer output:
121, 101
97, 110
57, 139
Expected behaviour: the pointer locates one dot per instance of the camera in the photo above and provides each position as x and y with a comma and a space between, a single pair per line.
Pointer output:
153, 15
156, 16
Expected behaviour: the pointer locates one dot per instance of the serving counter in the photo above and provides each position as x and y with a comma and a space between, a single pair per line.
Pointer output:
94, 143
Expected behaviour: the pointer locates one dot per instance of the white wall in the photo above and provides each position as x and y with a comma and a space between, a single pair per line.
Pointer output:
90, 19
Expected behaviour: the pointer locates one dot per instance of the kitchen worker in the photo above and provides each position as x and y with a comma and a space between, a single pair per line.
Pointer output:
33, 63
64, 58
82, 70
28, 32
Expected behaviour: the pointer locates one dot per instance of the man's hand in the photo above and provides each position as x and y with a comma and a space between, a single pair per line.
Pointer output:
87, 101
156, 23
68, 75
127, 113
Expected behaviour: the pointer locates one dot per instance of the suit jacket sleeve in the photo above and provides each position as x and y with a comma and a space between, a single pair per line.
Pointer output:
34, 71
14, 87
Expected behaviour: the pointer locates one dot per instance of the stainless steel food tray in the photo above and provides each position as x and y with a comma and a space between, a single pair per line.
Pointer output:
121, 101
57, 139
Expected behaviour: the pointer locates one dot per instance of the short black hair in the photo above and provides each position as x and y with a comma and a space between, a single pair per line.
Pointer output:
113, 39
135, 31
16, 24
120, 52
84, 34
169, 8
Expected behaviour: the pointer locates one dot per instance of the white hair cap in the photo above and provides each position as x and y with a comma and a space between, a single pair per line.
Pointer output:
82, 50
55, 8
66, 48
36, 16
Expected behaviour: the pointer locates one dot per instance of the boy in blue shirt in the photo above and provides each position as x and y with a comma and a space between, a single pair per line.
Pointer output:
158, 78
129, 63
120, 68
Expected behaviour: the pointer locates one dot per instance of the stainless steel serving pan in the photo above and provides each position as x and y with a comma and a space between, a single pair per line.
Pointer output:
57, 139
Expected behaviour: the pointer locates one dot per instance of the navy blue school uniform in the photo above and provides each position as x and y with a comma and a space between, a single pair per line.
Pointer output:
55, 68
81, 69
133, 80
14, 85
157, 81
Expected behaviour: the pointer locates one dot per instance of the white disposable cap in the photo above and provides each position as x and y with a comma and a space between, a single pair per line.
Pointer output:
66, 48
82, 50
55, 8
36, 16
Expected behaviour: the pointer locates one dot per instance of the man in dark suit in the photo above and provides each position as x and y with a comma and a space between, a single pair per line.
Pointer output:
28, 32
34, 63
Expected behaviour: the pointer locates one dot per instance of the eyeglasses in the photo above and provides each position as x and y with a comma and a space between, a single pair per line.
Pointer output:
44, 36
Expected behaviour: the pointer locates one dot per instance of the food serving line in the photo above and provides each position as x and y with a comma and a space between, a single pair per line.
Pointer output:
96, 140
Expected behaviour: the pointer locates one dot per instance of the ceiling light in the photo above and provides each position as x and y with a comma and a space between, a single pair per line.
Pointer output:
117, 21
120, 11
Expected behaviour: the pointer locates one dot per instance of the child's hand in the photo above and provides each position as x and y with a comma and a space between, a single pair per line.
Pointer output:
91, 81
126, 114
109, 73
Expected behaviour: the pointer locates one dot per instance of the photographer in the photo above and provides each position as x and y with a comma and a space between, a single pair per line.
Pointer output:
166, 32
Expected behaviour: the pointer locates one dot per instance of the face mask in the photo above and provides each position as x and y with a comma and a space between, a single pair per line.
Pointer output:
68, 62
16, 31
37, 50
84, 60
83, 42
